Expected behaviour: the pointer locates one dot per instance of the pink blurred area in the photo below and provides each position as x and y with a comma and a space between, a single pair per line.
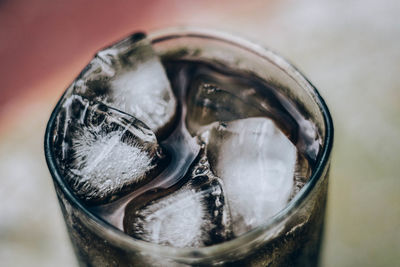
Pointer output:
45, 43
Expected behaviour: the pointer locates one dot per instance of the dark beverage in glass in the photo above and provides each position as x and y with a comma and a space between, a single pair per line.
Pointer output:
191, 147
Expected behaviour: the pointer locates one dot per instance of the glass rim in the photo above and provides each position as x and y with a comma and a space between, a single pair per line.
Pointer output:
107, 231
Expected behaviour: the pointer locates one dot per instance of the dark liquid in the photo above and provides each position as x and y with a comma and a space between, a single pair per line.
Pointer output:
237, 95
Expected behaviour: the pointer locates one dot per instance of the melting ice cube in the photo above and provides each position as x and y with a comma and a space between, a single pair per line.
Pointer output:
220, 96
195, 215
103, 152
129, 77
256, 162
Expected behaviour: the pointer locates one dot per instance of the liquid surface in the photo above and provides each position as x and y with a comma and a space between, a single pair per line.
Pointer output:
233, 155
235, 96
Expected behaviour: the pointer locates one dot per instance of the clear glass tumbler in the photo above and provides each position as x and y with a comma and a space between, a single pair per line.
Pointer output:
290, 238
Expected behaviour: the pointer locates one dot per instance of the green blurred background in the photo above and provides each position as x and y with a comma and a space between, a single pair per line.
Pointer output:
350, 50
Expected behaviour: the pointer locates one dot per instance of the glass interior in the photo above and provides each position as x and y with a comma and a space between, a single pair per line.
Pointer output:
244, 56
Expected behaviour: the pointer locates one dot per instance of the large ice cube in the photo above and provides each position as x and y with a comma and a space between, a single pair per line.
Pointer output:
129, 77
103, 152
195, 215
256, 162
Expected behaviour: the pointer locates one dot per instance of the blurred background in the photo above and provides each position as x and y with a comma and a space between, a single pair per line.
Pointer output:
349, 49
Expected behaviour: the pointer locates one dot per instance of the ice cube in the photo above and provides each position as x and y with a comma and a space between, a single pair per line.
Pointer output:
256, 162
195, 215
129, 77
211, 102
217, 95
302, 173
102, 152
